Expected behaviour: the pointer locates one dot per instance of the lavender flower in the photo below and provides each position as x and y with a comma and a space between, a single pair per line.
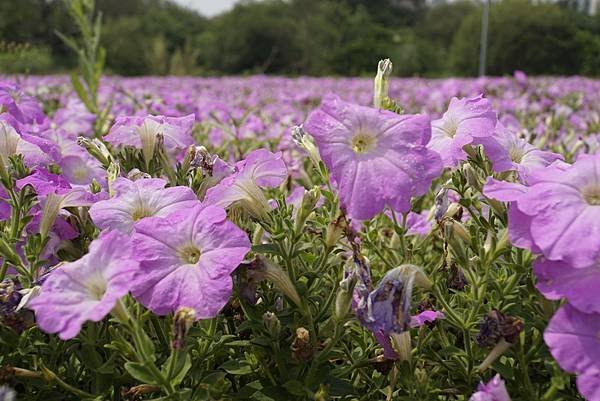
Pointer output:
186, 260
87, 289
494, 390
376, 157
136, 200
466, 121
573, 338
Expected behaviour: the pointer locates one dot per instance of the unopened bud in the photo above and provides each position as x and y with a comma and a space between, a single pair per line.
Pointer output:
458, 230
182, 321
381, 84
343, 299
441, 204
335, 229
471, 177
264, 268
112, 173
96, 148
272, 324
309, 201
305, 141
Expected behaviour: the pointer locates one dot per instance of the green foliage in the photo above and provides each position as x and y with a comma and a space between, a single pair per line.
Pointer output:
538, 39
17, 59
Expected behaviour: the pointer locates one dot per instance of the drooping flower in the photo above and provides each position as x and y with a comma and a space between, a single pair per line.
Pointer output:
136, 200
260, 168
35, 150
377, 158
87, 289
494, 390
509, 152
141, 133
557, 279
574, 341
385, 309
24, 108
186, 260
466, 121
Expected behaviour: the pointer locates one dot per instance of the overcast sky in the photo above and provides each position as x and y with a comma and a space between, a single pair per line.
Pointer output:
208, 7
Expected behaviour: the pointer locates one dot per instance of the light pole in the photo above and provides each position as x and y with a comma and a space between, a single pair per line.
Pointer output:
485, 17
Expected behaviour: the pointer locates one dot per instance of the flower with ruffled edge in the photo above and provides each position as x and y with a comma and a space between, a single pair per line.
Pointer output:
574, 341
377, 158
87, 289
186, 260
259, 169
24, 108
494, 390
136, 200
466, 121
141, 133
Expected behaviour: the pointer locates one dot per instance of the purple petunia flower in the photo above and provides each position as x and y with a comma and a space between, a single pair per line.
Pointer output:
574, 341
22, 107
136, 200
141, 133
260, 168
557, 279
35, 150
87, 289
376, 157
509, 152
494, 390
186, 260
466, 121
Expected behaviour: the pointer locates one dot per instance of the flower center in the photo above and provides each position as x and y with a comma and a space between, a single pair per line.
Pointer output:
516, 154
450, 127
190, 254
96, 287
592, 195
140, 213
362, 142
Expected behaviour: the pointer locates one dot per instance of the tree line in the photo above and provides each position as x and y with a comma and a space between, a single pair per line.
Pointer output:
308, 37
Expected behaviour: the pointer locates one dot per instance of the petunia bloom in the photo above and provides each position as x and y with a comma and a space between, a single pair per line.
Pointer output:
141, 133
35, 150
186, 260
136, 200
259, 169
87, 289
377, 158
494, 390
557, 279
466, 121
24, 108
509, 152
574, 341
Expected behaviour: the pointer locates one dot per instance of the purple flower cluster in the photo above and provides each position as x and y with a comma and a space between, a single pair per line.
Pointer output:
556, 214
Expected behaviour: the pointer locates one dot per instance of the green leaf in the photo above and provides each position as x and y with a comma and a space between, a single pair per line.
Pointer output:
272, 249
183, 363
80, 90
237, 367
294, 387
140, 372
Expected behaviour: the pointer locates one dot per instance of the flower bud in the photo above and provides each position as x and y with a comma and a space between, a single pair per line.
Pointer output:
272, 324
10, 315
441, 204
96, 148
112, 173
305, 141
309, 201
460, 231
343, 299
262, 268
471, 177
301, 346
182, 321
380, 85
335, 229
